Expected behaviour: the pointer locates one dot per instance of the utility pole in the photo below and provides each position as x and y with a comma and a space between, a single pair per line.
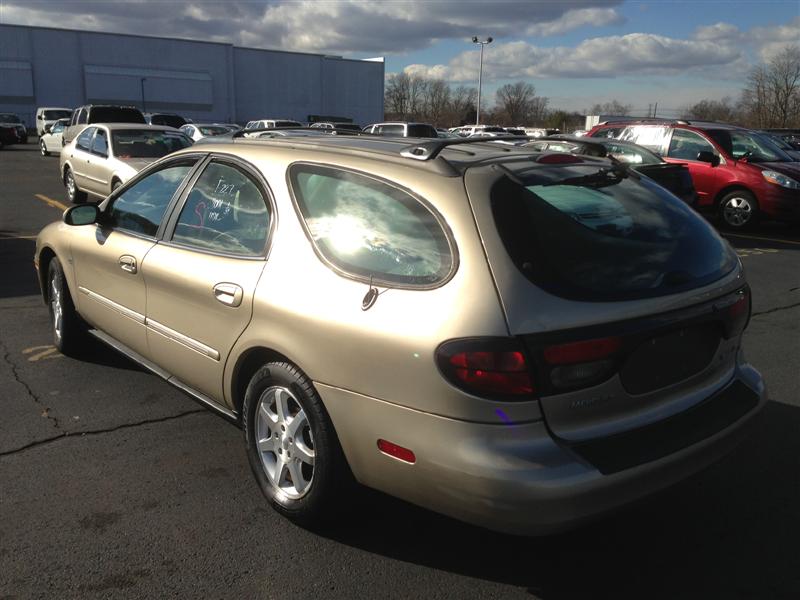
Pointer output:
655, 108
144, 106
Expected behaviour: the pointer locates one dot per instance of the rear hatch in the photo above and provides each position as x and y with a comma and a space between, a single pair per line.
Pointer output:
629, 305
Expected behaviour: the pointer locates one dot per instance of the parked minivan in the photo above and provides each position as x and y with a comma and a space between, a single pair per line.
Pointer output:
740, 174
84, 116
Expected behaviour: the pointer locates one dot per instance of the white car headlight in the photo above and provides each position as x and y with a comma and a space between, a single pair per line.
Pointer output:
781, 180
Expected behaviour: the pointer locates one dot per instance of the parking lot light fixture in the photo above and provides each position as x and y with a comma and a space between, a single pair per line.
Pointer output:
144, 106
482, 43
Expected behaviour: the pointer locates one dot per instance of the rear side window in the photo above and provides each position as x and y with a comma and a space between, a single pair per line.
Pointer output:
371, 230
116, 114
100, 143
84, 141
390, 130
601, 234
426, 131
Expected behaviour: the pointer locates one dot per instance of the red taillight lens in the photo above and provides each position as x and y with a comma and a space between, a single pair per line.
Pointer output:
493, 368
583, 351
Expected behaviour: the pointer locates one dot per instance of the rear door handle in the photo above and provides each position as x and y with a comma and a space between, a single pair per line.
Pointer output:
127, 263
229, 294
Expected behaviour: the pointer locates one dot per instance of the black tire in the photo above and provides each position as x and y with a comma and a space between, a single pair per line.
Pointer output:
74, 195
330, 481
739, 210
43, 148
69, 330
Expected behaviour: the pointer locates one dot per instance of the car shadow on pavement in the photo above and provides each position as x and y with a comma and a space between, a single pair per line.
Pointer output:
730, 531
19, 274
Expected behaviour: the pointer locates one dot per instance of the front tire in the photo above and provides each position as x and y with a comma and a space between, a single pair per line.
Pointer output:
739, 210
74, 195
43, 148
69, 334
292, 447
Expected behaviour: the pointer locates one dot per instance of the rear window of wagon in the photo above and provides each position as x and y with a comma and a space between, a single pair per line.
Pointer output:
593, 232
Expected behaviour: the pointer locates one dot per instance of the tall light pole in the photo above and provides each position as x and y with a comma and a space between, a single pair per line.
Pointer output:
144, 106
482, 43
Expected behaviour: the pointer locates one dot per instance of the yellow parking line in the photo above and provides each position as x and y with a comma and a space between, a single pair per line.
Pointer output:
753, 237
51, 202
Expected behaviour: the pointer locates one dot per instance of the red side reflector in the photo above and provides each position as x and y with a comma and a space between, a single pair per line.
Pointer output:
396, 451
578, 352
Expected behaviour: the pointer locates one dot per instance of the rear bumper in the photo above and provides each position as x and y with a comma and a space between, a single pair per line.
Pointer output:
511, 478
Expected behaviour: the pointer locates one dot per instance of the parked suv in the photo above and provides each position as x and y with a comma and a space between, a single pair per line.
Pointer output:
739, 174
84, 116
520, 340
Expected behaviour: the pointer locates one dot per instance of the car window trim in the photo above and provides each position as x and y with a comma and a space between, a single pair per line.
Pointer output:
254, 174
150, 169
375, 280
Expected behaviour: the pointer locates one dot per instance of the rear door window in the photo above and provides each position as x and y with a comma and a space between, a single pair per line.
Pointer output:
370, 230
100, 143
686, 145
226, 211
601, 233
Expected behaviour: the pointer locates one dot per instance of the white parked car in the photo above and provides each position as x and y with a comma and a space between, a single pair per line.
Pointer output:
198, 131
270, 124
47, 115
50, 138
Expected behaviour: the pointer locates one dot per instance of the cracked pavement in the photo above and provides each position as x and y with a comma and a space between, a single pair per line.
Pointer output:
113, 484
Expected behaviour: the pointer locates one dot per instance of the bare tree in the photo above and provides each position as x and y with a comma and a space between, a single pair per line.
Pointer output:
397, 94
437, 100
712, 110
772, 95
462, 105
615, 107
515, 101
416, 96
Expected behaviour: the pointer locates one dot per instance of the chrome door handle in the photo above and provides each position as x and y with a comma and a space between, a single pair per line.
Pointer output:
228, 293
127, 263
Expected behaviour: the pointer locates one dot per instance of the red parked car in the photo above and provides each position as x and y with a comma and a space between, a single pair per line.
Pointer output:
738, 173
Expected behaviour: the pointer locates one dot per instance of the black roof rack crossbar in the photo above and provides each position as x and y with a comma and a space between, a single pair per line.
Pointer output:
431, 149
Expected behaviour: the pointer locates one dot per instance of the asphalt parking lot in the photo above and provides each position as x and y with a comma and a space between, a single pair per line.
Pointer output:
115, 485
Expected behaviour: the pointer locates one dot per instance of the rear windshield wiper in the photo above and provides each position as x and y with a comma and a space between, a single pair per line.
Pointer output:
602, 178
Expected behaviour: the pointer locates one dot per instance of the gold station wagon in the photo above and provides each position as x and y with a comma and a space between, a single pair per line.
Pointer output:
520, 340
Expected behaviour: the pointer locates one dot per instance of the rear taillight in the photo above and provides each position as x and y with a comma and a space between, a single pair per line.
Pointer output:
494, 368
738, 313
586, 362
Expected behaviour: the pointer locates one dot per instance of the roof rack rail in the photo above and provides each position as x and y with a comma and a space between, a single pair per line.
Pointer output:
644, 120
242, 132
431, 149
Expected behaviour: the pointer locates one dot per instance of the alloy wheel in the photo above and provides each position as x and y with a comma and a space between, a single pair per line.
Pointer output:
737, 211
43, 148
56, 307
70, 186
285, 442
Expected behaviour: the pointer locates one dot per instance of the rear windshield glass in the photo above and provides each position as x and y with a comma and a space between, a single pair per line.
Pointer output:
632, 154
424, 131
115, 114
137, 143
168, 120
595, 232
52, 115
213, 129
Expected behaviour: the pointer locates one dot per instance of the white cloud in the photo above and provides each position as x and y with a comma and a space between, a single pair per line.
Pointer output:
575, 19
631, 54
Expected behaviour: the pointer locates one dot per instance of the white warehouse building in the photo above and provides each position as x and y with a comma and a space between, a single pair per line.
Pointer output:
205, 81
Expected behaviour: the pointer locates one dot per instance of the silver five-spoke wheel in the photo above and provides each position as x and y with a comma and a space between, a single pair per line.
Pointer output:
737, 211
56, 307
285, 442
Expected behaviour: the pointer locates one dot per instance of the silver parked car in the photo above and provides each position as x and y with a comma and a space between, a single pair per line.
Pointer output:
103, 157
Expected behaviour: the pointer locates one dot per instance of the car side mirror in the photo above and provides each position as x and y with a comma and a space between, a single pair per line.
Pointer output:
85, 214
48, 128
708, 157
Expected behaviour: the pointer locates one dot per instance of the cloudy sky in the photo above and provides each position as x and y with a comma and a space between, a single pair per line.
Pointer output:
576, 52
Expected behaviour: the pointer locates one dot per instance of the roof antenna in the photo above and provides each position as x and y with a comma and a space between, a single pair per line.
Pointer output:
370, 297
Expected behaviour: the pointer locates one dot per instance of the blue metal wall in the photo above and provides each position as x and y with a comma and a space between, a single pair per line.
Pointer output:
202, 80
